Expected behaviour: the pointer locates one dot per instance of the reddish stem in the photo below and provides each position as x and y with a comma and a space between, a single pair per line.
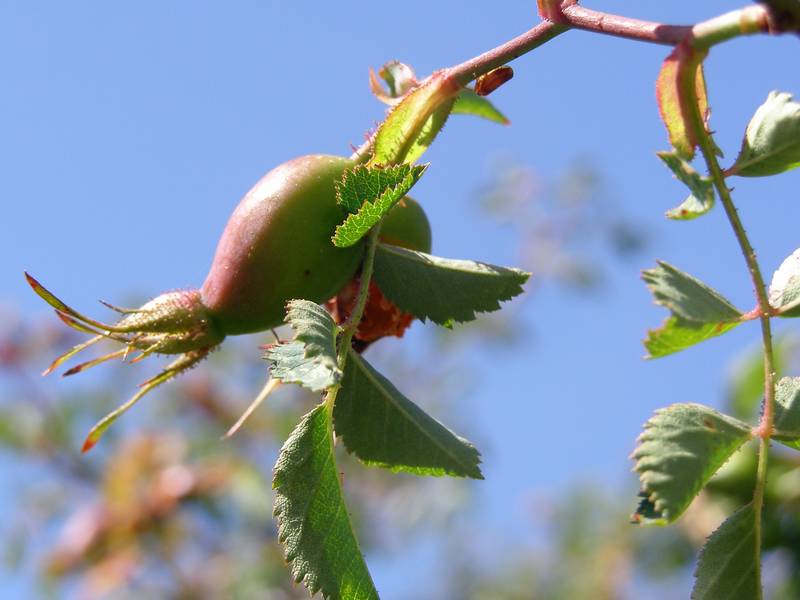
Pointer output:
645, 31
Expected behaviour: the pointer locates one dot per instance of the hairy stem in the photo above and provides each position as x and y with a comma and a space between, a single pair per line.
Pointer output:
764, 429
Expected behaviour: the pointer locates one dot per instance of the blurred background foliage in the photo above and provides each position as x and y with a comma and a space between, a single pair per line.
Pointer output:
164, 508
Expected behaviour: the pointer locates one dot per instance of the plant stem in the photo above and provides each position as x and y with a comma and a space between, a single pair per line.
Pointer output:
764, 429
349, 327
471, 69
625, 27
751, 19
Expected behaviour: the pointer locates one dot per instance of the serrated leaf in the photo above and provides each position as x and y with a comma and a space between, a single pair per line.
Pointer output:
701, 199
313, 523
414, 122
443, 290
680, 449
787, 412
771, 142
309, 360
677, 334
675, 95
384, 428
688, 297
727, 565
784, 289
469, 103
366, 184
288, 363
391, 184
698, 312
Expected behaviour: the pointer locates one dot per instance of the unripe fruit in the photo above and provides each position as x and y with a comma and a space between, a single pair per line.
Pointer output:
407, 225
277, 246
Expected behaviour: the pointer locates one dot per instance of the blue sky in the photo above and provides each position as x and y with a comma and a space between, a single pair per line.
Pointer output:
130, 131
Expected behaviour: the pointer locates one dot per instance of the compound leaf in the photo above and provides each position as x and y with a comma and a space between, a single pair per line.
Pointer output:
384, 428
680, 449
443, 290
727, 566
310, 359
313, 523
369, 193
701, 199
771, 142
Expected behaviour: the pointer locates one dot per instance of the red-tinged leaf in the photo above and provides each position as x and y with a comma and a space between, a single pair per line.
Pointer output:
61, 307
679, 85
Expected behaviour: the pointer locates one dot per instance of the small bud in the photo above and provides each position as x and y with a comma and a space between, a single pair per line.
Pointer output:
488, 83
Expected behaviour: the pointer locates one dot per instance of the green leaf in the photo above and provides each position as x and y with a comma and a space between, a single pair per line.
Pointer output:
288, 363
310, 359
698, 312
413, 124
469, 103
687, 297
313, 522
680, 449
443, 290
702, 196
787, 412
727, 566
784, 290
677, 334
369, 193
771, 142
366, 184
384, 428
